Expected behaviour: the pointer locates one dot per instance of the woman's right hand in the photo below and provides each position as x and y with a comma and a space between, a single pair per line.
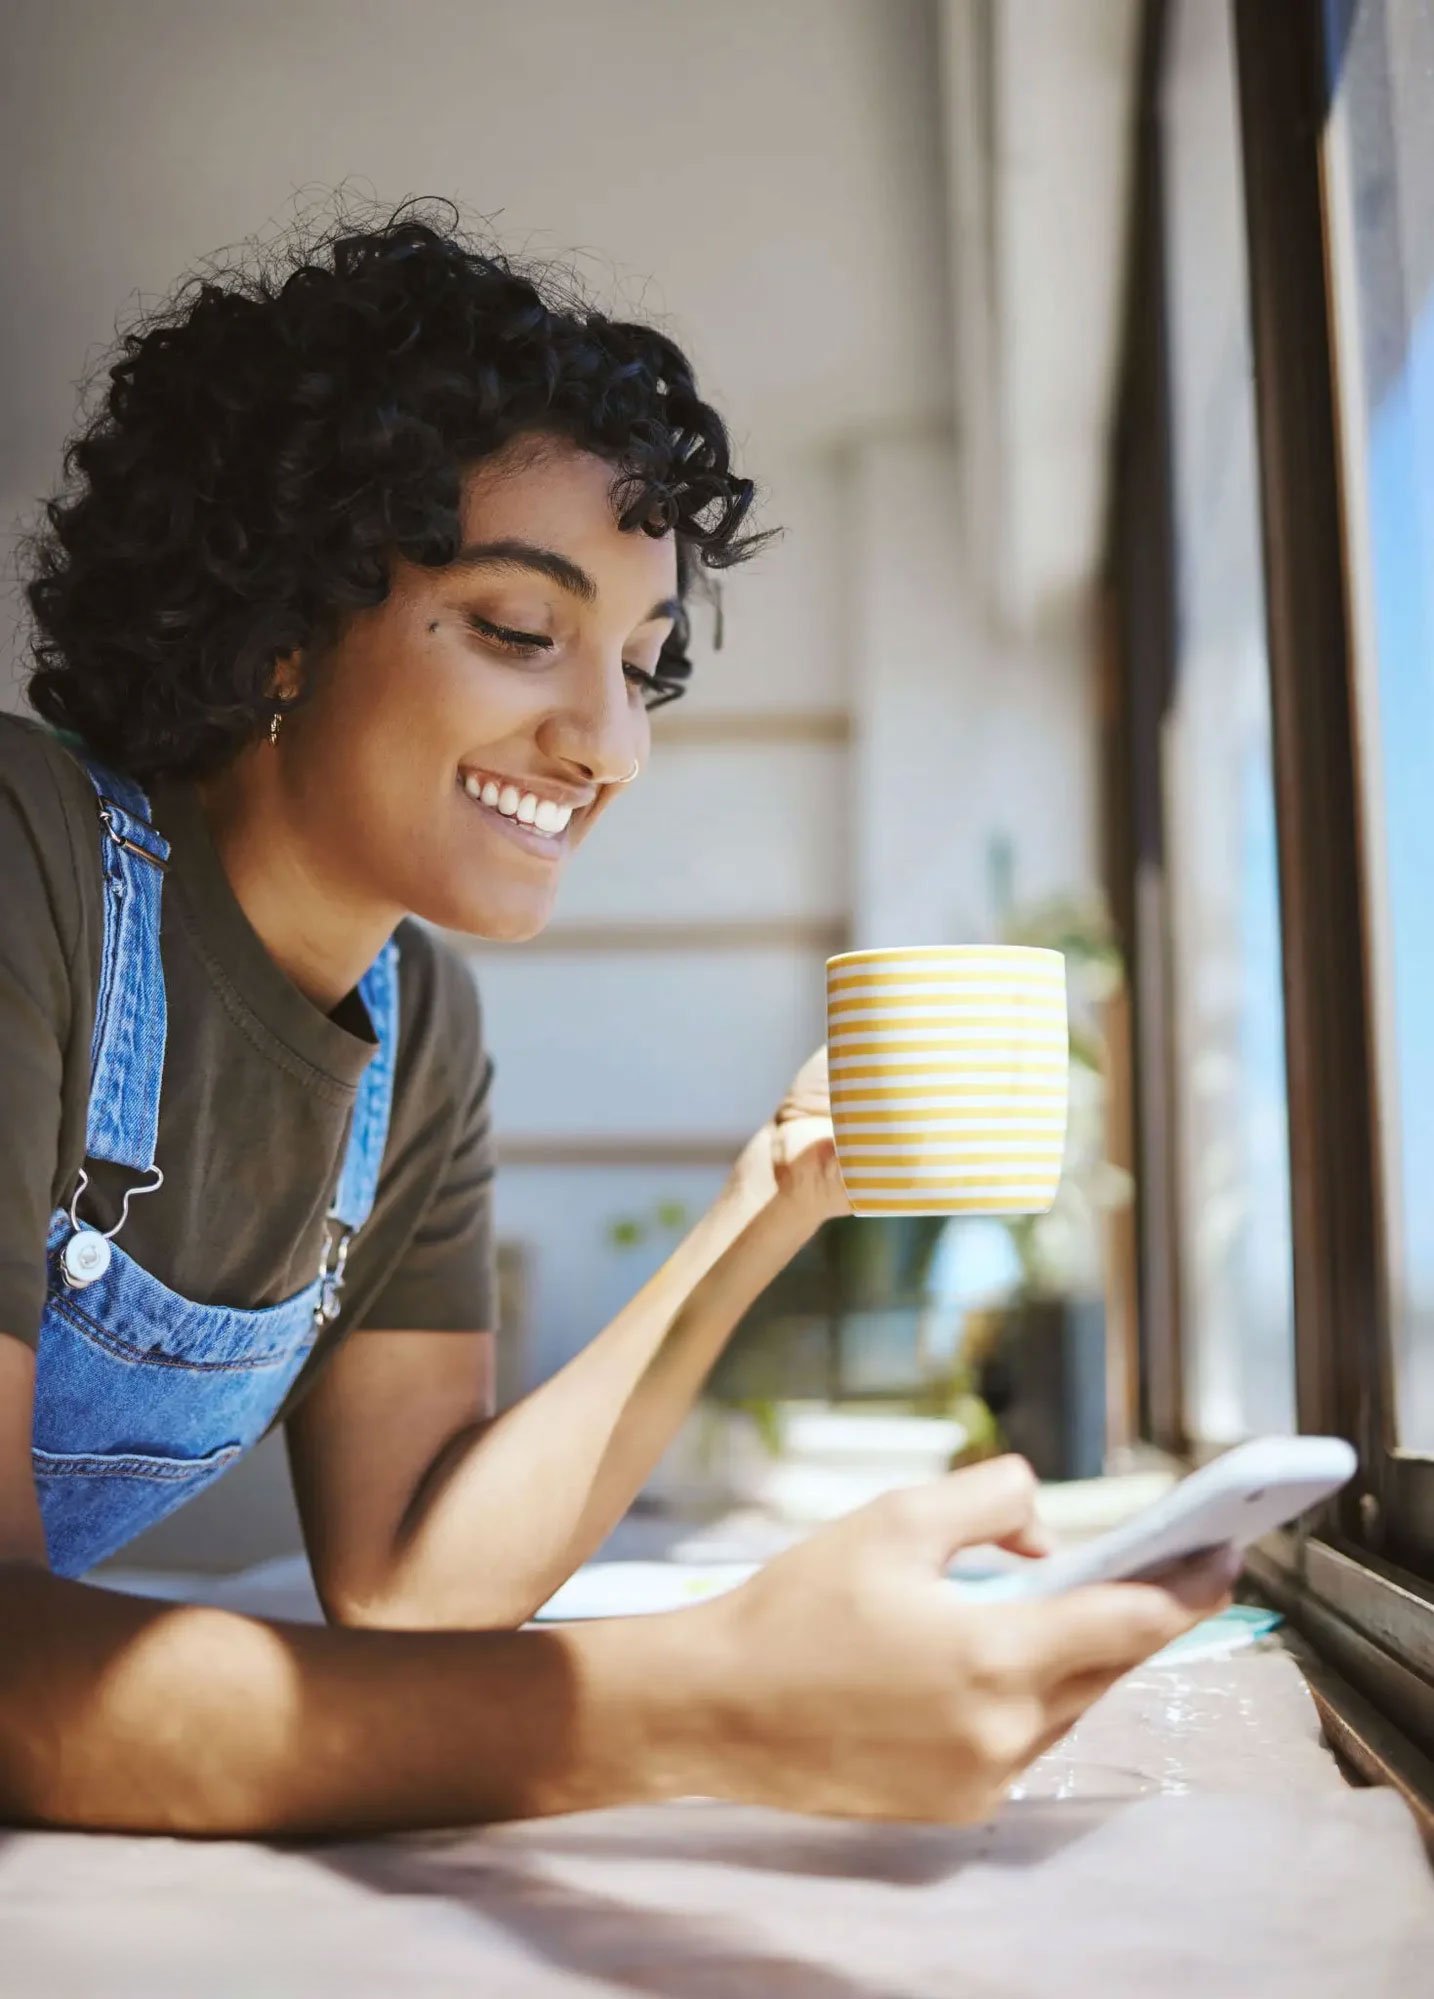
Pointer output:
855, 1681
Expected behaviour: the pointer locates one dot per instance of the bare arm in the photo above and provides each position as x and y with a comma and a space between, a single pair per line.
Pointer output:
117, 1714
420, 1510
842, 1679
126, 1715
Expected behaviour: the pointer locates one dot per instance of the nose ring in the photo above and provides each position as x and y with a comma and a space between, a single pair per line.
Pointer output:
632, 773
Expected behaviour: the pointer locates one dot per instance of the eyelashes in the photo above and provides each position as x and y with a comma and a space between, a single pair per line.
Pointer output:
532, 645
647, 684
529, 644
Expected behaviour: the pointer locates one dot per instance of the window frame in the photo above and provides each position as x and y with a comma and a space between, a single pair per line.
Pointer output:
1358, 1581
1343, 1342
1140, 666
1402, 1523
1340, 1311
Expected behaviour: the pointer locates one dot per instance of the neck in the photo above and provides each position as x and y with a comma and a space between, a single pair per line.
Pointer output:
318, 930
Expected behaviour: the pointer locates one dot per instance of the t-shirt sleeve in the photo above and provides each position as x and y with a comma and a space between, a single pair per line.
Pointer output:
39, 929
446, 1280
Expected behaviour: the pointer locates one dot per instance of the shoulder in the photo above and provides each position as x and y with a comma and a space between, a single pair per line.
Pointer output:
42, 777
440, 1012
47, 809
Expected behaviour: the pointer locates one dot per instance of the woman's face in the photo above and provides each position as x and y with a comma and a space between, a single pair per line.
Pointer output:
514, 673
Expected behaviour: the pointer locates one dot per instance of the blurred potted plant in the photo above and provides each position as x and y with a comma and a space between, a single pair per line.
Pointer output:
1039, 1358
810, 1407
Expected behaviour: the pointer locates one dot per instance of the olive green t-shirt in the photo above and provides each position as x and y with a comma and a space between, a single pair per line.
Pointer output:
257, 1093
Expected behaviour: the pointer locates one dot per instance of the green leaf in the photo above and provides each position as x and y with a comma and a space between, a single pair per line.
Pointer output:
767, 1418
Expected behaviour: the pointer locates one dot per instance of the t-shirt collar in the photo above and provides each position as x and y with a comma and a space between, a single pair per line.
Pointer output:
340, 1043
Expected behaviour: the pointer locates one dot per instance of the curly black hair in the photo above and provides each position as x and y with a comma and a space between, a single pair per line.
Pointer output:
272, 434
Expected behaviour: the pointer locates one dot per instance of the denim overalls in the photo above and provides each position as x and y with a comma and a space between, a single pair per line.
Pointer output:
141, 1397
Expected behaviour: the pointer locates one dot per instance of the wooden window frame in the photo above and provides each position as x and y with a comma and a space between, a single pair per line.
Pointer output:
1359, 1581
1139, 663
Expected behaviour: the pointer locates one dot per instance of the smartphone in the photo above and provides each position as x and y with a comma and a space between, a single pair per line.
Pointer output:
1228, 1503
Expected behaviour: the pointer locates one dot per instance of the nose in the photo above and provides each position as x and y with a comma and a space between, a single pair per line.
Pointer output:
597, 728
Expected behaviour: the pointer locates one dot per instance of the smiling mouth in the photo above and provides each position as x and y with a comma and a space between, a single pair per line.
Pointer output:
539, 825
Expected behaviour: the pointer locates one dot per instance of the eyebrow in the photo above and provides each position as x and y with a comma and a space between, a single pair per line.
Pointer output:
546, 562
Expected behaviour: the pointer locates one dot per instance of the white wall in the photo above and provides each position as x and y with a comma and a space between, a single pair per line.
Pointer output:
966, 733
1039, 98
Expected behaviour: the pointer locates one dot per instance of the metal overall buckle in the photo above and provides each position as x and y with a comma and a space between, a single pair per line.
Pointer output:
86, 1256
331, 1274
108, 809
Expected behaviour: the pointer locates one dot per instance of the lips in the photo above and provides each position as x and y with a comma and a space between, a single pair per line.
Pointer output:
545, 815
523, 833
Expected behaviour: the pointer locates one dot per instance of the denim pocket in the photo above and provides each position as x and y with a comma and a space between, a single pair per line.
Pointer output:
142, 1399
78, 1492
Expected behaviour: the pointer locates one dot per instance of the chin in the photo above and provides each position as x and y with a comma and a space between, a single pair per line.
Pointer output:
508, 928
497, 920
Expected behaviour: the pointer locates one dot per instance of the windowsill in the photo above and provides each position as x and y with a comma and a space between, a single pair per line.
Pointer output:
1192, 1835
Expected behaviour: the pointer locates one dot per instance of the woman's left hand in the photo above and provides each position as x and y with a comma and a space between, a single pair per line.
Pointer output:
792, 1158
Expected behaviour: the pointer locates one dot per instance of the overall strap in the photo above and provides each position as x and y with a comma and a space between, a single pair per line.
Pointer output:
127, 1047
368, 1132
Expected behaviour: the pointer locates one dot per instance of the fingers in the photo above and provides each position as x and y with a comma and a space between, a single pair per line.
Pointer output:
1068, 1700
1031, 1540
1018, 1726
1113, 1626
1063, 1711
986, 1502
809, 1095
1205, 1579
1205, 1586
1022, 1727
1066, 1703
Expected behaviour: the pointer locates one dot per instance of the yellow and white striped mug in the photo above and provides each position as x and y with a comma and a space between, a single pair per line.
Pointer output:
949, 1068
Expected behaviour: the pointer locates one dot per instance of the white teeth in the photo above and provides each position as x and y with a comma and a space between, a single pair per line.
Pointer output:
542, 814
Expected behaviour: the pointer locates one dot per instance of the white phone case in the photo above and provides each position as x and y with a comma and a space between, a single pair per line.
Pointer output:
1229, 1502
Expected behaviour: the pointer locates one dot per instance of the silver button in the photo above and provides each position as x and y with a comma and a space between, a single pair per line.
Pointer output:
86, 1256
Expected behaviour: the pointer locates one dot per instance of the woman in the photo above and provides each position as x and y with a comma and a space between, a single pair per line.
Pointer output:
366, 577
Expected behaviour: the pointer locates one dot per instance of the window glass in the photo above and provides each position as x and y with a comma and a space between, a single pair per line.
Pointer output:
1236, 1284
1381, 223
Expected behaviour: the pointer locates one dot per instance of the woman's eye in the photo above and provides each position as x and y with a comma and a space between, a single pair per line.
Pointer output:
641, 679
529, 645
657, 691
526, 643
